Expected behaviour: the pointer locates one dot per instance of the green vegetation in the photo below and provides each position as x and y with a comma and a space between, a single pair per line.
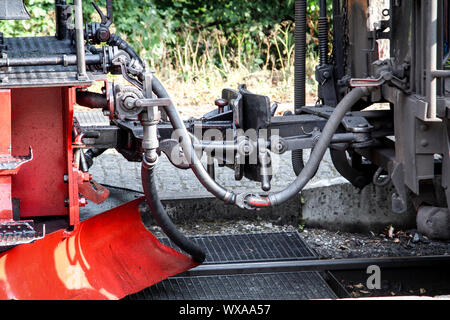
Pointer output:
199, 46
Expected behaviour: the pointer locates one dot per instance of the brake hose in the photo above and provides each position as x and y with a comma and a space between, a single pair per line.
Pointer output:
188, 148
162, 218
317, 153
249, 200
244, 200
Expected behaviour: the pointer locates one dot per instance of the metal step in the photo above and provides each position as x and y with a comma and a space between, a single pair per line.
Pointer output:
91, 118
13, 233
246, 249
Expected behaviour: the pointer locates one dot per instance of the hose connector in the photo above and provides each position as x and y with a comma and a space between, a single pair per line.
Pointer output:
149, 120
251, 201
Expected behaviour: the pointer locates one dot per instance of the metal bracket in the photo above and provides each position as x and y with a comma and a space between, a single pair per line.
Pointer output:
11, 164
13, 233
172, 150
398, 180
325, 79
13, 10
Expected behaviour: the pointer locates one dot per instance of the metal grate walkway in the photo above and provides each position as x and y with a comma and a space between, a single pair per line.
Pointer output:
245, 248
270, 286
257, 247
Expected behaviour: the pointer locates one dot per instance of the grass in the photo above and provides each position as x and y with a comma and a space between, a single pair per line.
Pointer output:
196, 71
194, 97
201, 64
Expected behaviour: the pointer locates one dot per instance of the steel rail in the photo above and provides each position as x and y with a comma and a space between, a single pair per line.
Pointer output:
316, 265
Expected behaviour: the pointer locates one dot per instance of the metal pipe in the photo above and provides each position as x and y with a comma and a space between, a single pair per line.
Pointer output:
64, 15
440, 73
316, 265
91, 100
215, 146
149, 121
64, 60
432, 61
79, 39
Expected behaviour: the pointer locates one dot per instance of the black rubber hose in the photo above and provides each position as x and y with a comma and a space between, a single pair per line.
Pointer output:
300, 73
117, 41
320, 148
162, 218
317, 154
91, 100
91, 154
188, 149
296, 186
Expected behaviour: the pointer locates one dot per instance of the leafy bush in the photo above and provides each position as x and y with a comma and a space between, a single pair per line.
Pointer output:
184, 34
42, 22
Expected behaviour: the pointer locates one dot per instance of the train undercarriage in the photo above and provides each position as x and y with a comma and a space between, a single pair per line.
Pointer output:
45, 154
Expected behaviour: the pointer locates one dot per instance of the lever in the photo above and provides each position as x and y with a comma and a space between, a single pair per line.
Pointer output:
108, 19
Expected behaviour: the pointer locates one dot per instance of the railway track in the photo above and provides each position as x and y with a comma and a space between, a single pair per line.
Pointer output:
319, 265
280, 266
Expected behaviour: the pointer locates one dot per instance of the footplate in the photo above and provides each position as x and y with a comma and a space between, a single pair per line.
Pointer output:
10, 165
13, 233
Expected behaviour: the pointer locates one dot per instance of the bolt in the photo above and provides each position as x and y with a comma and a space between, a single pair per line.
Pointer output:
86, 177
129, 103
279, 147
103, 34
424, 143
221, 104
82, 202
423, 127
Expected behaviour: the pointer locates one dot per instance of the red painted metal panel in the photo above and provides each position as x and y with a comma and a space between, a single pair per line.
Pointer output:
5, 198
107, 257
38, 121
5, 122
69, 99
5, 149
